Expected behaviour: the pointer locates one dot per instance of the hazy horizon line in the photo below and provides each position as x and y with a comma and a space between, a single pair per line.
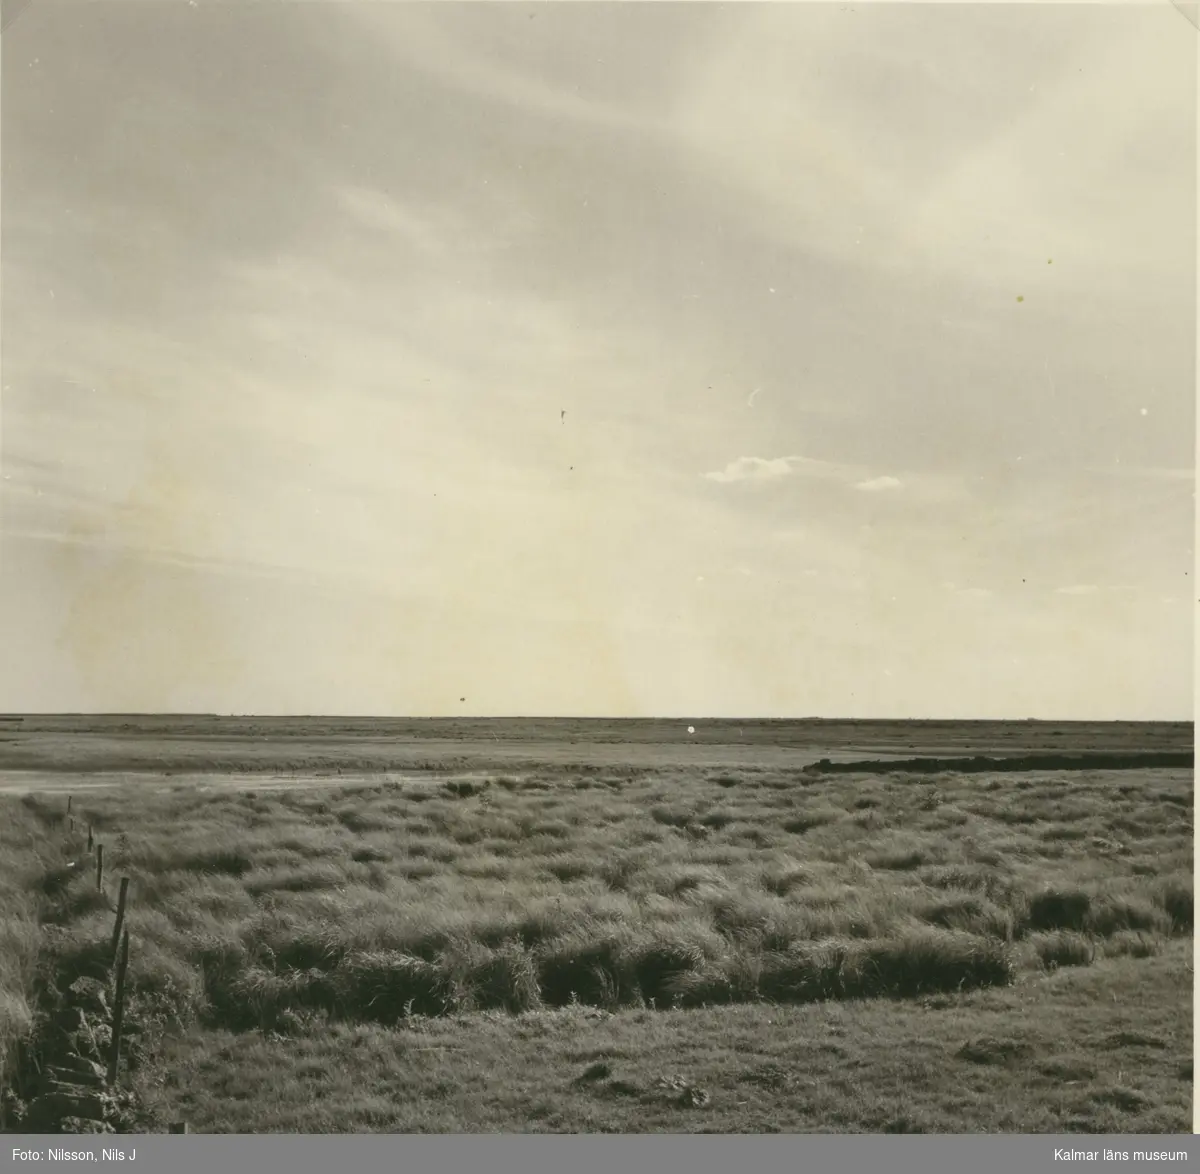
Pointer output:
588, 718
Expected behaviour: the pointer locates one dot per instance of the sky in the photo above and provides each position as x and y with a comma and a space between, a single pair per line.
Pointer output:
600, 359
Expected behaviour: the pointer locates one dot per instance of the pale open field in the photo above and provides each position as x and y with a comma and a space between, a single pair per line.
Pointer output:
469, 929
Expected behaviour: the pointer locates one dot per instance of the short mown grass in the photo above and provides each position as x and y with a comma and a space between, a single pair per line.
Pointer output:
389, 902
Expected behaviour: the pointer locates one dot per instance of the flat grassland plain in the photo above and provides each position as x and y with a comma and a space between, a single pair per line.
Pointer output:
580, 926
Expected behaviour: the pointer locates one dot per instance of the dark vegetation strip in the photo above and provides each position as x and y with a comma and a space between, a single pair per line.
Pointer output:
276, 976
388, 985
1020, 763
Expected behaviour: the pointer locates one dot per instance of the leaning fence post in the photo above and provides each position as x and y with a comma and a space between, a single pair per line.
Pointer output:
91, 839
120, 922
114, 1058
99, 868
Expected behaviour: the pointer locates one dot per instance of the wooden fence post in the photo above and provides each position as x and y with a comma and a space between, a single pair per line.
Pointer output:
69, 797
120, 922
114, 1058
99, 868
91, 838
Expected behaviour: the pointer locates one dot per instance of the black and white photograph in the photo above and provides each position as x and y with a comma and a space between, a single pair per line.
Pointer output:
596, 567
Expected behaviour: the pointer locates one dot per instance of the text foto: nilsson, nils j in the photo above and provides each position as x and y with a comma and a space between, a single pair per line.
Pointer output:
61, 1154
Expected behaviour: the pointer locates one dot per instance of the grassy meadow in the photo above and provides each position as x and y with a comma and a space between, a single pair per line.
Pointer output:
25, 853
622, 949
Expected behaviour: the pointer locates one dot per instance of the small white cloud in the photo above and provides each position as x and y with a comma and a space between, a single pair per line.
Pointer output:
753, 469
1078, 589
877, 484
769, 468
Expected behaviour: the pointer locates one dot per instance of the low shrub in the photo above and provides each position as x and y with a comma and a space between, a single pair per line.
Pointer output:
566, 868
674, 817
1175, 898
654, 965
1059, 909
1063, 948
1133, 944
903, 967
927, 962
783, 880
222, 861
1112, 914
971, 914
505, 979
804, 821
265, 996
387, 985
586, 972
465, 788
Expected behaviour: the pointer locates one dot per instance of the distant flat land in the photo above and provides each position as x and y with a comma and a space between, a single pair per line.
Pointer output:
201, 743
362, 925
